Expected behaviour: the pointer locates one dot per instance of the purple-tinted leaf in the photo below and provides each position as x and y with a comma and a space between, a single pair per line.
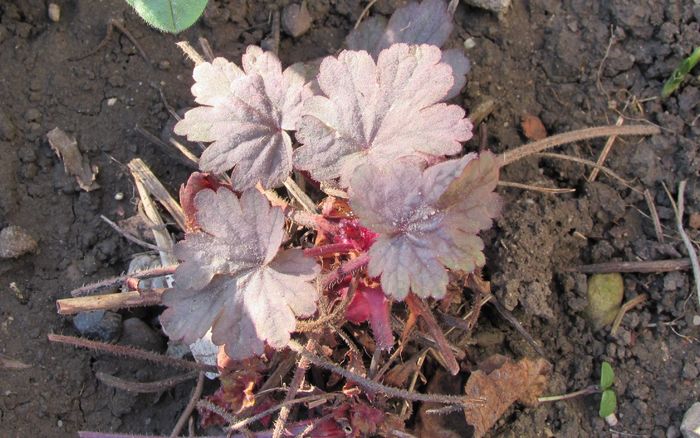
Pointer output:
427, 220
367, 36
379, 112
429, 22
234, 280
460, 67
245, 114
370, 304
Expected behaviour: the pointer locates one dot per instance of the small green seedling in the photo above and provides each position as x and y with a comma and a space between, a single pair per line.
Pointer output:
680, 73
172, 16
608, 400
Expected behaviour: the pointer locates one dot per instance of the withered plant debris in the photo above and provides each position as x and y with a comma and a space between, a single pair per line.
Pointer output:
66, 148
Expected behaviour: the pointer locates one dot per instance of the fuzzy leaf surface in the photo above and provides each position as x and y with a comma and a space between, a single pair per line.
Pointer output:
245, 114
379, 112
427, 220
428, 22
234, 279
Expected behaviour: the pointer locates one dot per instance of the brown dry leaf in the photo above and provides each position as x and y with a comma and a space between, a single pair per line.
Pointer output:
501, 386
398, 376
66, 147
533, 127
450, 425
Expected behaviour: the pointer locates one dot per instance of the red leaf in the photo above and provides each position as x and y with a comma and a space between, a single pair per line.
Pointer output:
195, 183
370, 304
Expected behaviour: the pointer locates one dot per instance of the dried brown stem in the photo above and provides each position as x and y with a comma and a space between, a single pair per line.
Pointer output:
331, 318
122, 350
604, 153
692, 255
629, 305
196, 394
344, 270
374, 387
123, 300
144, 387
570, 137
286, 404
605, 170
508, 316
111, 25
184, 157
644, 267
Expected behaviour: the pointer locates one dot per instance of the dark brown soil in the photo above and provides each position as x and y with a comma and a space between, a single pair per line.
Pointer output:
573, 63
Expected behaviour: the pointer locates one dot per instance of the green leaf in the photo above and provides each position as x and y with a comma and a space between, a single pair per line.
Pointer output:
680, 73
171, 16
608, 403
607, 376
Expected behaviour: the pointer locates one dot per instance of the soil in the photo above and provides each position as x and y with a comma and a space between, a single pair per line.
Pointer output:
572, 63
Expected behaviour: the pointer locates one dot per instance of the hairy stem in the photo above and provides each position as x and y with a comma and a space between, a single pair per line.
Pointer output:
116, 281
434, 329
330, 249
569, 137
374, 387
121, 350
297, 381
347, 268
196, 394
144, 387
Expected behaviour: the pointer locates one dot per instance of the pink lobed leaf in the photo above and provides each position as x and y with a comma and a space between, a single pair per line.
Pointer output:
429, 22
245, 115
234, 280
427, 220
370, 304
379, 112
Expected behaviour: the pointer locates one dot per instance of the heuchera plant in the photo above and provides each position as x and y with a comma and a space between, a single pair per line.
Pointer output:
374, 123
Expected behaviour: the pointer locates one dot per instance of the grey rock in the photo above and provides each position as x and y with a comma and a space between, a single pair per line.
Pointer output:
690, 427
103, 325
15, 242
497, 6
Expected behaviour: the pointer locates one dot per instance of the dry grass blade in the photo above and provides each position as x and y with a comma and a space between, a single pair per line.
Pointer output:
144, 387
604, 153
12, 364
144, 177
629, 305
302, 198
605, 170
654, 216
551, 191
678, 209
184, 156
128, 236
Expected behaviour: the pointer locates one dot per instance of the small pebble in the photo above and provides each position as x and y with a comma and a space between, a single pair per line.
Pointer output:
111, 101
164, 65
469, 43
103, 325
54, 12
59, 423
696, 320
118, 196
15, 242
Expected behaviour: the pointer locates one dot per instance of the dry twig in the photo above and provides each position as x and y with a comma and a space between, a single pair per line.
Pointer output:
144, 387
196, 394
644, 267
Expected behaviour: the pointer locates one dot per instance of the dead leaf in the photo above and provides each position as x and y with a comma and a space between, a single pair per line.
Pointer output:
66, 147
533, 127
501, 386
398, 376
694, 221
12, 364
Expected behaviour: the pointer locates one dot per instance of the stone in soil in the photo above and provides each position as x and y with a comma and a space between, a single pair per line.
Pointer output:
15, 242
102, 325
137, 333
690, 427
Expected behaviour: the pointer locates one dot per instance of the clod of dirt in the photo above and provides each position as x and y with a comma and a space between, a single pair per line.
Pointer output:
690, 427
500, 382
694, 221
15, 242
605, 293
296, 19
533, 127
66, 147
99, 324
